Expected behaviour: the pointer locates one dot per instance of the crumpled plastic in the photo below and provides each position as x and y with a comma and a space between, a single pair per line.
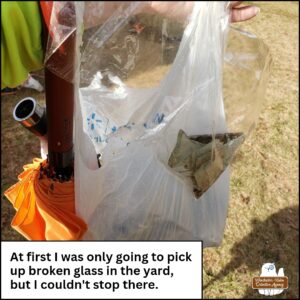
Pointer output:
155, 94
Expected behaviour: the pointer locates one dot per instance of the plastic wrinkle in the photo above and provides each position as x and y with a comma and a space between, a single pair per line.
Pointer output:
143, 79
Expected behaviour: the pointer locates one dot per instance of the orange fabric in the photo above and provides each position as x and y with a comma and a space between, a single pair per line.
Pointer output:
46, 7
44, 213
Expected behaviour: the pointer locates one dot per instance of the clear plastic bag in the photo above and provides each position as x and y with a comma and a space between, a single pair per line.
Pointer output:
153, 134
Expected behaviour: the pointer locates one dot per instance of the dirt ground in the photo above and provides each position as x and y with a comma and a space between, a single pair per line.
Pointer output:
263, 217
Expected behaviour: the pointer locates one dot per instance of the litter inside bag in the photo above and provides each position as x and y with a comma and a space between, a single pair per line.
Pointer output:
203, 159
163, 103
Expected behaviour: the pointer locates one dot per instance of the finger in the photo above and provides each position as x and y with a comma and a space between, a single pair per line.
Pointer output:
233, 4
243, 13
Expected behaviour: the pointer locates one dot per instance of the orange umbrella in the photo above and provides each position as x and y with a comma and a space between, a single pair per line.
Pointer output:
45, 204
45, 208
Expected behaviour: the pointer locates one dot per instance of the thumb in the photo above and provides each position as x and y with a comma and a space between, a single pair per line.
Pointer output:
244, 13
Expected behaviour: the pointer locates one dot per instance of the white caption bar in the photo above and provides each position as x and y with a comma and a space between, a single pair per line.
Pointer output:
112, 270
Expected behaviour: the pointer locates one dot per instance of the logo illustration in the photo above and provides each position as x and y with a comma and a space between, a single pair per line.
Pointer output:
270, 283
99, 127
93, 121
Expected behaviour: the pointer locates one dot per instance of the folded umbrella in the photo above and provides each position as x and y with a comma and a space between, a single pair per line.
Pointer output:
44, 196
45, 208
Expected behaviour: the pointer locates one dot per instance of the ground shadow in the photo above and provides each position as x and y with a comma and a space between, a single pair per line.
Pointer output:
274, 240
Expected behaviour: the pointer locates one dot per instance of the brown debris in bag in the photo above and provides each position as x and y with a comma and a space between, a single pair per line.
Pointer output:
203, 158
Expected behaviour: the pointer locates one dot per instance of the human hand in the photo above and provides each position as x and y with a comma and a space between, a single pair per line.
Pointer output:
97, 12
181, 10
242, 13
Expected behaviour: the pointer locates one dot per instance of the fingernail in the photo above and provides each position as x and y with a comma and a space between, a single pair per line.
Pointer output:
257, 10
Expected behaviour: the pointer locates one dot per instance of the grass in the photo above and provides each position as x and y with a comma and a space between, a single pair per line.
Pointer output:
18, 147
262, 224
263, 218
